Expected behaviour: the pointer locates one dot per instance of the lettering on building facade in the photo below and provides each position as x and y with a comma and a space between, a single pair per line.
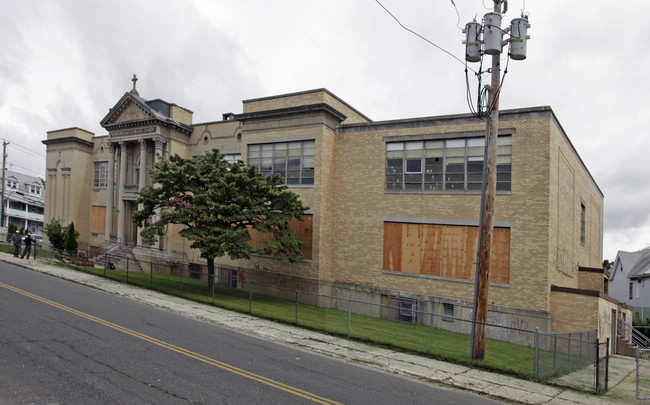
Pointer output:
136, 131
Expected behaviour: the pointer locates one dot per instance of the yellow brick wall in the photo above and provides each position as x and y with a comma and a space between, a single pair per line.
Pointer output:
565, 318
180, 114
362, 202
591, 280
570, 187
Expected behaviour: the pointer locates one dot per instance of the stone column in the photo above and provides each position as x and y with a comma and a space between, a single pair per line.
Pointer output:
65, 176
121, 215
50, 186
142, 179
159, 144
110, 191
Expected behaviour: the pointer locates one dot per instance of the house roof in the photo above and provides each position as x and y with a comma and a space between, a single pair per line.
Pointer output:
22, 194
23, 179
642, 266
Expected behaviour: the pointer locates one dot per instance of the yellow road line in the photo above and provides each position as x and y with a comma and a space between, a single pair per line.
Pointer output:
180, 350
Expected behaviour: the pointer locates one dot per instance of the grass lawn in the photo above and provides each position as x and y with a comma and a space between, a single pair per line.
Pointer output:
414, 338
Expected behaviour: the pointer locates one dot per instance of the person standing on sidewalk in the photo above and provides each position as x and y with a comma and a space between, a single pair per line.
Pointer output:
28, 246
16, 240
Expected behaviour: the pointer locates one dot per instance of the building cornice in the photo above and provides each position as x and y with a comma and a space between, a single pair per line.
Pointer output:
66, 140
310, 108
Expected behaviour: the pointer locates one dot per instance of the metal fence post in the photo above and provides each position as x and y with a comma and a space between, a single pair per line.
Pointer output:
349, 316
607, 366
554, 350
597, 366
637, 372
151, 275
250, 301
537, 352
581, 343
180, 281
127, 270
296, 307
431, 335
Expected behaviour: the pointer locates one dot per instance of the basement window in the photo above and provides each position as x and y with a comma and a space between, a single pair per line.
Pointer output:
401, 309
448, 312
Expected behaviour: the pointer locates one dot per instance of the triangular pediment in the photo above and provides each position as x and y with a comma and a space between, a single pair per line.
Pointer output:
131, 113
130, 109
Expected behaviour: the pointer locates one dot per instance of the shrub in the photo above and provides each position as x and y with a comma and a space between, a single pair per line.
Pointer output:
71, 236
54, 232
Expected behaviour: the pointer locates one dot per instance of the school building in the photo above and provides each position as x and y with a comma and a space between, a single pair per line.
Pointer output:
393, 205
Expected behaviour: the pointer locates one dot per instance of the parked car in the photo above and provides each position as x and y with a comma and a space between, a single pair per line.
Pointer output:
38, 240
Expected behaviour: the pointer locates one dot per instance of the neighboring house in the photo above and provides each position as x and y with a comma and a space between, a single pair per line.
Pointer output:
393, 205
24, 198
629, 281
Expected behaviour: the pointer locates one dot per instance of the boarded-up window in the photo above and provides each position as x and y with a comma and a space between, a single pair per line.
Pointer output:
301, 228
99, 219
443, 250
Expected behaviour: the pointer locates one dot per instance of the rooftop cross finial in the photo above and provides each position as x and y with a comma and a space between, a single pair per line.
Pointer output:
134, 91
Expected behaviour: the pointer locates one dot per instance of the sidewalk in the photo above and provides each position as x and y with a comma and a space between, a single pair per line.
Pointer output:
622, 383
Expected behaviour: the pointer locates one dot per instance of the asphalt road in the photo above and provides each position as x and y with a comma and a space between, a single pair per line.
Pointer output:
63, 343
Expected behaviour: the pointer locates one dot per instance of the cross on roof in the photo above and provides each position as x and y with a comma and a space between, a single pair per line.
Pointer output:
135, 79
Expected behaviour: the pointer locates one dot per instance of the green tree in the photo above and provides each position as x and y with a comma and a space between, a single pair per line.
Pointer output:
55, 233
216, 202
71, 236
11, 230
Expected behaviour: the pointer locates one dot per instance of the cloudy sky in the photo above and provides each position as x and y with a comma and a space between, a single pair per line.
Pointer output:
64, 63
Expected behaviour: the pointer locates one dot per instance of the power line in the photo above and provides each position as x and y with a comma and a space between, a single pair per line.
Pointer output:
421, 37
24, 168
458, 14
24, 149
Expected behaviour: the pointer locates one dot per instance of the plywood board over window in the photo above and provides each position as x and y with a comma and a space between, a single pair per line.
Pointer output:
99, 219
443, 250
301, 228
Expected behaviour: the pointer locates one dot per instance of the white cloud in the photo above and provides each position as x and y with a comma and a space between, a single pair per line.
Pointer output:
65, 62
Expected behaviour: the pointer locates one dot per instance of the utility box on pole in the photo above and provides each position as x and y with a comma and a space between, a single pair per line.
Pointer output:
492, 34
472, 42
518, 38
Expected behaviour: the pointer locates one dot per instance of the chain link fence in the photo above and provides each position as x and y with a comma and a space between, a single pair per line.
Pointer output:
402, 322
642, 373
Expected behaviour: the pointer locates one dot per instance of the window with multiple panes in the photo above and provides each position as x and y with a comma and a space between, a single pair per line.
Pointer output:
232, 157
451, 164
34, 189
100, 179
294, 161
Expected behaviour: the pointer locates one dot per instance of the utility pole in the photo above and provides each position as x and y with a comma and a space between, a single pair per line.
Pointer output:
487, 226
492, 45
4, 159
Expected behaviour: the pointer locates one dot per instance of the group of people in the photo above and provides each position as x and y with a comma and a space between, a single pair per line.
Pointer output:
17, 241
